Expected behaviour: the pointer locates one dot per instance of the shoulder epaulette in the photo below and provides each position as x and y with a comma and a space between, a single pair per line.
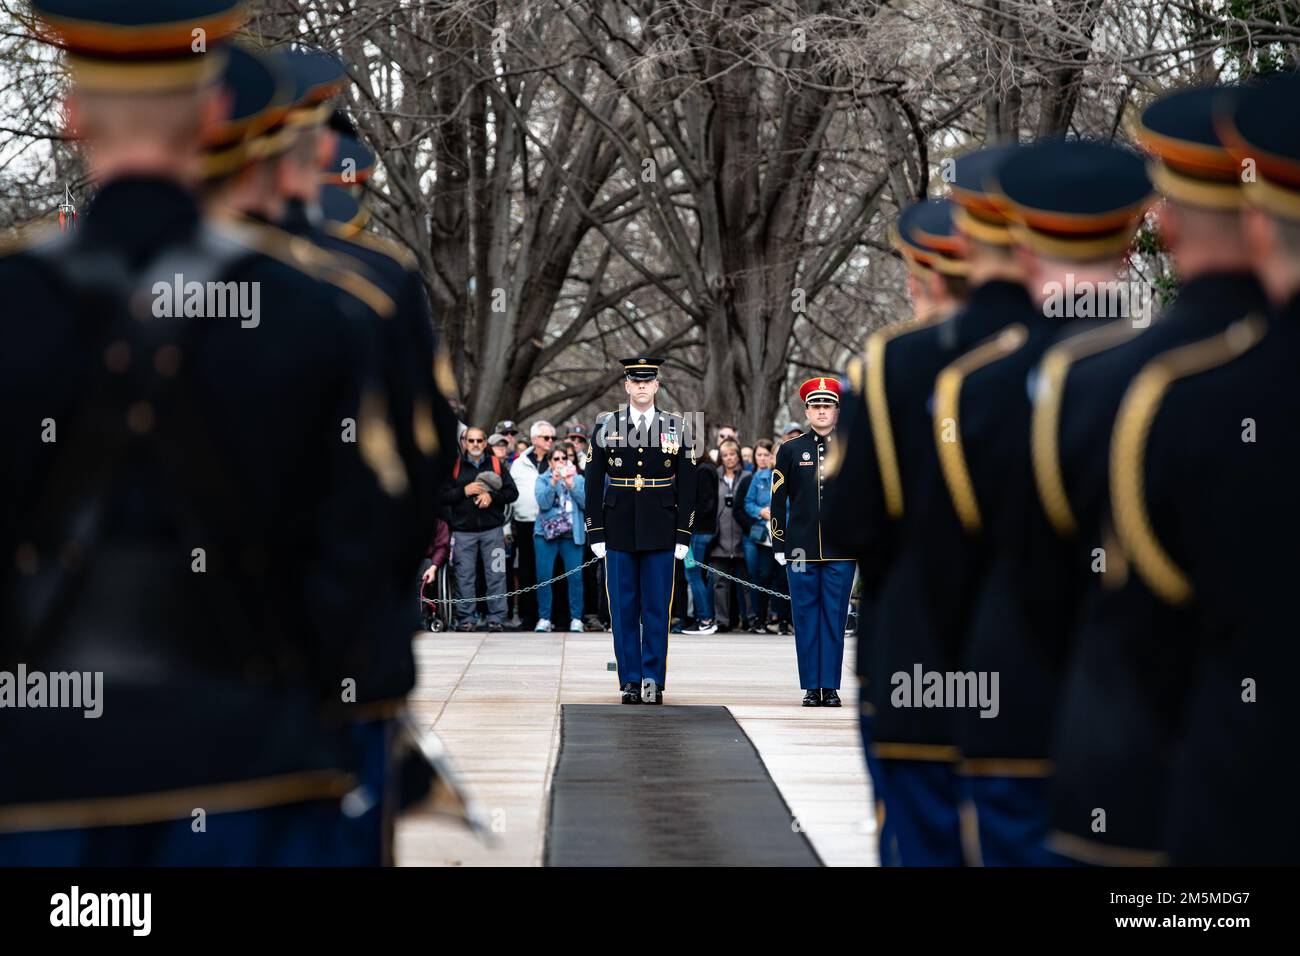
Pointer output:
1128, 449
308, 258
947, 403
394, 250
882, 432
1046, 422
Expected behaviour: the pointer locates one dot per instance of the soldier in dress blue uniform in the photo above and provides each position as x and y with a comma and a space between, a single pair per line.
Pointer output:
1113, 736
862, 460
195, 499
415, 377
1210, 425
1074, 208
914, 746
640, 511
821, 576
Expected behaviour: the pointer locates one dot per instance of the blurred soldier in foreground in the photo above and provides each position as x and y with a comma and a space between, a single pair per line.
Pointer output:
913, 743
863, 459
178, 493
1074, 208
1202, 470
408, 426
1118, 718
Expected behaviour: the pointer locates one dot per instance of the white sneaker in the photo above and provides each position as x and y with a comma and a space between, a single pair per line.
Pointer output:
543, 625
575, 626
704, 627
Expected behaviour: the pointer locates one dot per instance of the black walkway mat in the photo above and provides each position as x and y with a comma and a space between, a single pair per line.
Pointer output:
665, 786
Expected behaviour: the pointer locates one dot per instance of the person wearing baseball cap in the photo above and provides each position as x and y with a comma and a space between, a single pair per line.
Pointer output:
820, 575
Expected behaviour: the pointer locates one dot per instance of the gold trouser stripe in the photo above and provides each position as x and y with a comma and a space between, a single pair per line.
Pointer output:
947, 407
176, 804
944, 753
1045, 429
1128, 449
1005, 767
968, 819
1086, 851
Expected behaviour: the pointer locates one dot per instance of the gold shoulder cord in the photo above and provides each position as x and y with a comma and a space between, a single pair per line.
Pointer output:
947, 403
1128, 450
398, 253
1045, 430
302, 255
882, 432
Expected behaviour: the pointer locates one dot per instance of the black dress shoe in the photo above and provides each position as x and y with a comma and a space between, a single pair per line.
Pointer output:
830, 698
650, 693
631, 693
812, 698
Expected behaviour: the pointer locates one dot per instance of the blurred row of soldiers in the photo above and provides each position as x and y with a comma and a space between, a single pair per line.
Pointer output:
1073, 521
219, 510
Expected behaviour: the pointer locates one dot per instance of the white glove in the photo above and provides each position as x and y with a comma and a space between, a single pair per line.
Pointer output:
679, 552
598, 549
780, 557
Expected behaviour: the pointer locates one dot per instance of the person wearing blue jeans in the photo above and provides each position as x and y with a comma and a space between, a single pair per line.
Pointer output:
701, 584
560, 531
699, 581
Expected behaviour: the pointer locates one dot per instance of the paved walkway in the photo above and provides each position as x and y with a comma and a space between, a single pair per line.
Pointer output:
495, 702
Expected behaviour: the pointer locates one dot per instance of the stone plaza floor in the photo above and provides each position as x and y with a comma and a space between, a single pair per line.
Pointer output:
494, 700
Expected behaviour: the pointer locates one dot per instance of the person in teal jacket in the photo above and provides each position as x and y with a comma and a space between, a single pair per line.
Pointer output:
560, 531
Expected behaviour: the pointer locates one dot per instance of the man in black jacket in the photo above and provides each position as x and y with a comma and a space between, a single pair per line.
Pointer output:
705, 530
476, 497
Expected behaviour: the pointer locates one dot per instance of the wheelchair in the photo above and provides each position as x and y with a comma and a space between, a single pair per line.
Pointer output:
435, 601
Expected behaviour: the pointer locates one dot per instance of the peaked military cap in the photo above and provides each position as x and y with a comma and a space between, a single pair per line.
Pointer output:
259, 91
642, 369
821, 390
140, 45
975, 191
1191, 164
1077, 200
317, 76
338, 205
1253, 123
352, 163
926, 237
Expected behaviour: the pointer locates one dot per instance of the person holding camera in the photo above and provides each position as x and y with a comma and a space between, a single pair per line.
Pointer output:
560, 531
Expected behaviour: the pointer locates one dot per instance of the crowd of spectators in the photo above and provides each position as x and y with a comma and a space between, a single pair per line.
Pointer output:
515, 515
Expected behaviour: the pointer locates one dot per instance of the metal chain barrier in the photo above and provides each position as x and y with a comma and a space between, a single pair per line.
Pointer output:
510, 594
748, 584
586, 564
